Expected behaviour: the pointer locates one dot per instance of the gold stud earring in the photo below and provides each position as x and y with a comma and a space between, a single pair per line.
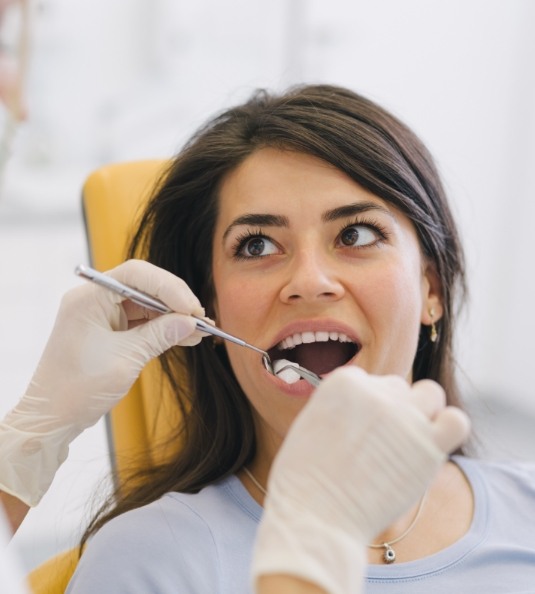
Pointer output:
433, 334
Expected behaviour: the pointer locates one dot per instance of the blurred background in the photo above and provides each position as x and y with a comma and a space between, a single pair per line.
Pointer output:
114, 80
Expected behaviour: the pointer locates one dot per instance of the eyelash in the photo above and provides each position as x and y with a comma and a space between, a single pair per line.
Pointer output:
241, 241
243, 238
371, 224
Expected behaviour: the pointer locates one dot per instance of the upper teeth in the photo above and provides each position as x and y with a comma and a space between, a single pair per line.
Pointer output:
307, 337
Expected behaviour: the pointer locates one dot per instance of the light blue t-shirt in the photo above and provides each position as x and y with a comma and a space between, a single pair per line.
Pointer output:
202, 544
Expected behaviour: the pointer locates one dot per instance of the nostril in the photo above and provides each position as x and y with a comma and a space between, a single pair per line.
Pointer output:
310, 295
309, 280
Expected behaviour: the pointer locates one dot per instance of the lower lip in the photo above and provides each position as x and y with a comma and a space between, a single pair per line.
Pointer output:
301, 388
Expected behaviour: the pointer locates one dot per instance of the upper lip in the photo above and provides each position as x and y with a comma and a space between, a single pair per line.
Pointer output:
323, 325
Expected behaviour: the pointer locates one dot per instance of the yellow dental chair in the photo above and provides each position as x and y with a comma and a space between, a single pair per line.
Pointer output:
112, 197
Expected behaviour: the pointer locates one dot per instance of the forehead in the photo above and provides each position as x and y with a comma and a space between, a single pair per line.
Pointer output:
272, 179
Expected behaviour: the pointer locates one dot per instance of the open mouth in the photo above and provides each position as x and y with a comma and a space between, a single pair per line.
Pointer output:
321, 352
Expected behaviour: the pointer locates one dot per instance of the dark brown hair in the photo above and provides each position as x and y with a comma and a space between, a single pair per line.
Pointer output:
334, 124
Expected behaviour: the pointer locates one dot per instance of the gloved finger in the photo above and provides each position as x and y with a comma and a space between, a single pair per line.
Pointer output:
166, 331
159, 283
428, 397
451, 429
137, 314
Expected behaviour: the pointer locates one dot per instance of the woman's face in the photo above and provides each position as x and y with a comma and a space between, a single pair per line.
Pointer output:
313, 268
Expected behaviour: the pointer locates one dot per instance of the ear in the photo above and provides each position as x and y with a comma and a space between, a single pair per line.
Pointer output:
432, 305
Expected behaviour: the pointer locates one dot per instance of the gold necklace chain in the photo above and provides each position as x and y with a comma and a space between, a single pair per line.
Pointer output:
389, 555
254, 481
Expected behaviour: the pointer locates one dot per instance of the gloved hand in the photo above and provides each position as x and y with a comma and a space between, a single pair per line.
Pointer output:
89, 363
362, 451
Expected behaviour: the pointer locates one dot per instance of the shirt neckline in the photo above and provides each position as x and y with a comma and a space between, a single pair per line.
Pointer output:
455, 552
236, 489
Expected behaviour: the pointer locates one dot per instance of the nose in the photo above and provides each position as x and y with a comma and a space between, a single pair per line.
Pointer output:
312, 277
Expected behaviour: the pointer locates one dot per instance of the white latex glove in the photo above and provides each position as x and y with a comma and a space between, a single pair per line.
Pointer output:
362, 451
89, 363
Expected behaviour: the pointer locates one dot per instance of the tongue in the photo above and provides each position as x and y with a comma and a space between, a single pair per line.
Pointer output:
322, 357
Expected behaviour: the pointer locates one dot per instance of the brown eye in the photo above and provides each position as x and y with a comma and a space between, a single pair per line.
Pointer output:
358, 236
255, 247
350, 236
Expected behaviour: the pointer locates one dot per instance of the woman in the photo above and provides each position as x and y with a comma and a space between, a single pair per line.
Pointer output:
313, 225
312, 212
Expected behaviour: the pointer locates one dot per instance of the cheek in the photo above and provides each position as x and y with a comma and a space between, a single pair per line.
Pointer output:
391, 301
392, 289
240, 304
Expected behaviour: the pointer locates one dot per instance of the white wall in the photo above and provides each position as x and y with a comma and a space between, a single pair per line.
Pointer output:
129, 79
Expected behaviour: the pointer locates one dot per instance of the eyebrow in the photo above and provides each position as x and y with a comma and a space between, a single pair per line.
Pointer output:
341, 212
258, 220
348, 210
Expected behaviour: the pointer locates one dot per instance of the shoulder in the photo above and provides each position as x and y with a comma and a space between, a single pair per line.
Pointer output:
162, 544
505, 482
148, 549
182, 516
517, 472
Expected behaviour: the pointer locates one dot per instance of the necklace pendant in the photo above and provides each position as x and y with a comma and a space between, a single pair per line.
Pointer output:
389, 555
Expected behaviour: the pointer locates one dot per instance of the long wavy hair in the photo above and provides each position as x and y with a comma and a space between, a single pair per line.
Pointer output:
176, 231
